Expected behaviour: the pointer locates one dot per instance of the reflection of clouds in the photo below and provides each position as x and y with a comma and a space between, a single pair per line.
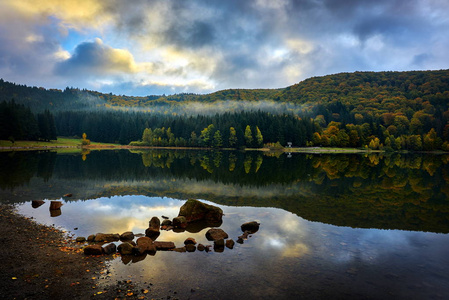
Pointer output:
209, 187
284, 248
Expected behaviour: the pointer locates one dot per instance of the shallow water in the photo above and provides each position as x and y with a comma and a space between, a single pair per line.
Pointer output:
331, 226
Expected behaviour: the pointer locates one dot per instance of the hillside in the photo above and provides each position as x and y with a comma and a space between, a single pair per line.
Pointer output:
375, 92
379, 110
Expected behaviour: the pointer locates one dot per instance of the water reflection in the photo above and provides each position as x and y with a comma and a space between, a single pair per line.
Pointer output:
292, 255
392, 192
287, 257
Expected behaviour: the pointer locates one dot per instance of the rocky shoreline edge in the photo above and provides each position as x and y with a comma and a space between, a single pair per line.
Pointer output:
42, 262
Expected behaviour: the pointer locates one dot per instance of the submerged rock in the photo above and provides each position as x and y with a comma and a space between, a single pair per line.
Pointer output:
93, 250
194, 210
214, 234
251, 227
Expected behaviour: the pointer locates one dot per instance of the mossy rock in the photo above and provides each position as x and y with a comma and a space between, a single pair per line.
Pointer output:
194, 210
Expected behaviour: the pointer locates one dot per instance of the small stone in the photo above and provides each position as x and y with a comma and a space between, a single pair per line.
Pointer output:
155, 223
190, 240
190, 248
80, 239
182, 249
110, 248
128, 235
93, 250
125, 248
219, 245
37, 203
214, 234
55, 205
201, 247
164, 217
166, 223
180, 222
230, 243
106, 237
251, 227
152, 233
91, 238
164, 245
145, 245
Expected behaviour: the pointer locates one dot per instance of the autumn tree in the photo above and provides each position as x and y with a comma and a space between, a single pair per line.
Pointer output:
232, 137
248, 136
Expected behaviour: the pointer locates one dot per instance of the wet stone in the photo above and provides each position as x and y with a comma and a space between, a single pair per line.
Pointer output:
190, 248
93, 250
128, 235
214, 234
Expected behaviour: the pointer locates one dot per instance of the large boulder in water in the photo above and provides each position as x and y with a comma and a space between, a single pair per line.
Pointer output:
194, 210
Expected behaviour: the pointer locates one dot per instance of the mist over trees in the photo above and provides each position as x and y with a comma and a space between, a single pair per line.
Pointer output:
377, 110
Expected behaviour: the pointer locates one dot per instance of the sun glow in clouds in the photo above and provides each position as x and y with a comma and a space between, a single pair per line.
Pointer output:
179, 46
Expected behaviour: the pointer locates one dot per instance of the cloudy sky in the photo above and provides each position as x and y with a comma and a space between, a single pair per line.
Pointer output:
144, 47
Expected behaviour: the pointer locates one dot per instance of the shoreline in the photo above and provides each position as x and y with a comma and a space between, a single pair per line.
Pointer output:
42, 262
102, 146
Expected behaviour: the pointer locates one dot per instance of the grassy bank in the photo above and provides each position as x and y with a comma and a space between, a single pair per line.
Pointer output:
60, 143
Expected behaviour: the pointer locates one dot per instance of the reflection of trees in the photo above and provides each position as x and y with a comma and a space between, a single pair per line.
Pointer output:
396, 191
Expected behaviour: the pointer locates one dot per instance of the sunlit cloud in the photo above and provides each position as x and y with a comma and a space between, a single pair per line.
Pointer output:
98, 58
171, 46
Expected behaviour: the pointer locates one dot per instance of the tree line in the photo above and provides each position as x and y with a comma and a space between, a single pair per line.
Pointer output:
227, 130
17, 122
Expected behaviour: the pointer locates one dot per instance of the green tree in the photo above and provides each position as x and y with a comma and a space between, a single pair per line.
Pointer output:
258, 137
232, 137
206, 135
248, 136
193, 139
218, 140
147, 136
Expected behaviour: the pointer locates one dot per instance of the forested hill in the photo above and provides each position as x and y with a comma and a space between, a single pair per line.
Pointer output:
359, 92
379, 110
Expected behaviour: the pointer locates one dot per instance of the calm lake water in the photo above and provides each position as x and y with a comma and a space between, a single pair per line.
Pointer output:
366, 226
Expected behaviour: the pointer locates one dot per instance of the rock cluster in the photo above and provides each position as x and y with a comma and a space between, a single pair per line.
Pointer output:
192, 212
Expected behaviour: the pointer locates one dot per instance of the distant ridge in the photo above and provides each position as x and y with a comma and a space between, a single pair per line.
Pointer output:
384, 91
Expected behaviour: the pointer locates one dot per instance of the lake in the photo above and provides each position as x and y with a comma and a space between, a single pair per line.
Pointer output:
370, 226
